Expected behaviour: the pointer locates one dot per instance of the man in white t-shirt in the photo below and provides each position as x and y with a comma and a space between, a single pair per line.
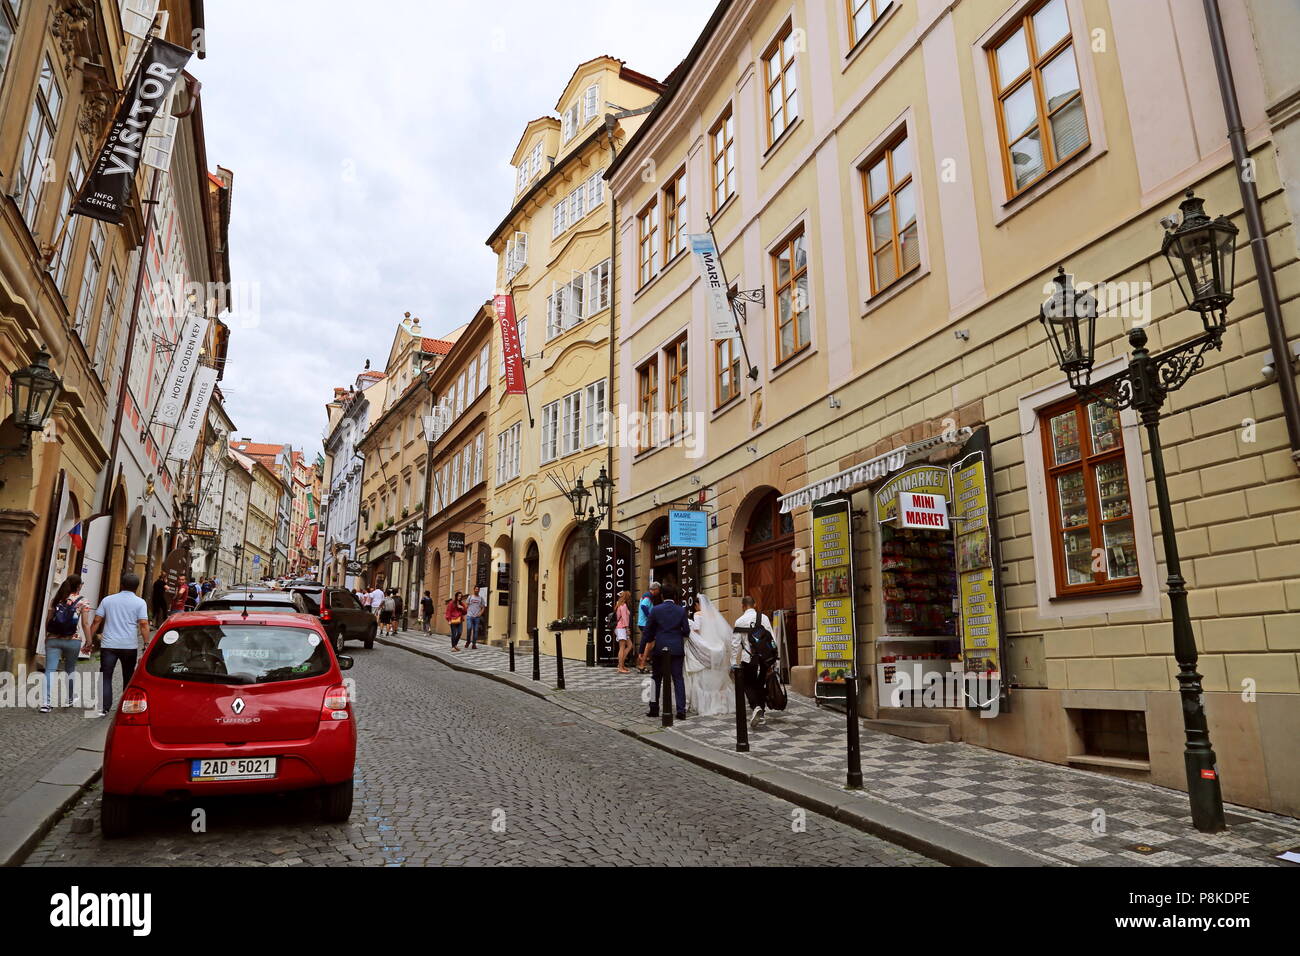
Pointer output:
755, 672
376, 600
124, 616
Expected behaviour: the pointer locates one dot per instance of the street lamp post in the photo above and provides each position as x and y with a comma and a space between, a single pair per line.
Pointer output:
590, 517
410, 537
1201, 254
239, 563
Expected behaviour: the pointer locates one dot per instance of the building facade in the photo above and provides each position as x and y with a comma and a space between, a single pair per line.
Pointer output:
901, 181
343, 467
456, 552
557, 262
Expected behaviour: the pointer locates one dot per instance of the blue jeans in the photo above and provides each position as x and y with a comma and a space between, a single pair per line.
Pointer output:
60, 654
108, 659
473, 629
455, 633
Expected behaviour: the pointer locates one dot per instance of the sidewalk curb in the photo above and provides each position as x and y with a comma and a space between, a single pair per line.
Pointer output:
25, 821
932, 839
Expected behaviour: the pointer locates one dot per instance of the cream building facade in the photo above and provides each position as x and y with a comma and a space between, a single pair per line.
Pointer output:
863, 165
557, 261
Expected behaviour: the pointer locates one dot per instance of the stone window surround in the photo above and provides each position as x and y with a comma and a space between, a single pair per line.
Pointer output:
1051, 609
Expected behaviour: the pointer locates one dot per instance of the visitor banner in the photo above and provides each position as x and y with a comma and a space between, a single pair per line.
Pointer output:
834, 642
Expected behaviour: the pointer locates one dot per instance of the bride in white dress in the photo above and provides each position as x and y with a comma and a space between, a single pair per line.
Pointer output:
708, 662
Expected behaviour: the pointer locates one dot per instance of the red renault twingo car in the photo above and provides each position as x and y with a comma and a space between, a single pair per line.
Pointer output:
227, 703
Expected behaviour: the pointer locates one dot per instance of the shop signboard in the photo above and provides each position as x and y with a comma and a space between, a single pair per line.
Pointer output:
688, 529
616, 557
979, 586
456, 542
483, 569
834, 643
916, 510
354, 567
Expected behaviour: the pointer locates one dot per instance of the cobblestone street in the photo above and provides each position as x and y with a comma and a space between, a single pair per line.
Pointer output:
443, 756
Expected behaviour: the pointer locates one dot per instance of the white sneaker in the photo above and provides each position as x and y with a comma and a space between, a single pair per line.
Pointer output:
757, 719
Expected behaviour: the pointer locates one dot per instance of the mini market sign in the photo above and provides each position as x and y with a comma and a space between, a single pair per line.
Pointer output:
926, 511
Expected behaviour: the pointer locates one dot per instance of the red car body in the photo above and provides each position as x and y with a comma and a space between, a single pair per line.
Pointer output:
163, 724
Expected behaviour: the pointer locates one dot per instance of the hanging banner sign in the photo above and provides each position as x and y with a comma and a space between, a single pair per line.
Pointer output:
922, 511
185, 359
834, 644
512, 353
107, 189
196, 410
616, 553
722, 321
688, 529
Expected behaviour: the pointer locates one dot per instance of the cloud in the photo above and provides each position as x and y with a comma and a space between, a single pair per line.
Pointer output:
371, 148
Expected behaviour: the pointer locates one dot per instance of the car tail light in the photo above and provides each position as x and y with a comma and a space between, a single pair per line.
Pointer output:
324, 614
336, 704
135, 707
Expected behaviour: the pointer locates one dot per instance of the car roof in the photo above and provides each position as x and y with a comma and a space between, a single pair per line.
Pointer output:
256, 594
200, 618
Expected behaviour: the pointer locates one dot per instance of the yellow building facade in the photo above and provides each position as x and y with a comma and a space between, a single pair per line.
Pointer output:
557, 261
901, 182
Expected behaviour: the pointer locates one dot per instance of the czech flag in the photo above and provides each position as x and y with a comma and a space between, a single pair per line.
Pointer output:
75, 536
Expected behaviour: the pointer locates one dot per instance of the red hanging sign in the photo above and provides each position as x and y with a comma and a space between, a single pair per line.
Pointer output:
511, 350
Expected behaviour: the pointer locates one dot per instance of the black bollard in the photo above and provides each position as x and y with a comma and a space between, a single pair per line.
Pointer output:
559, 660
666, 674
742, 725
855, 748
512, 657
537, 656
591, 647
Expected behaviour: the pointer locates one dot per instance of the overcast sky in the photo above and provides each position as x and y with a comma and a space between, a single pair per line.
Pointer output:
371, 146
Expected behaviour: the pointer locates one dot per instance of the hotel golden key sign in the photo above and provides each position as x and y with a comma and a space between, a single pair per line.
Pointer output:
832, 581
977, 579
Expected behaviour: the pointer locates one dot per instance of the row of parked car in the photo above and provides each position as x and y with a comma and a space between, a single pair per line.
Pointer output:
243, 695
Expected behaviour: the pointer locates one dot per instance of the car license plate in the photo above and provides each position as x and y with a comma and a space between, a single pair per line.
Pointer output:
236, 768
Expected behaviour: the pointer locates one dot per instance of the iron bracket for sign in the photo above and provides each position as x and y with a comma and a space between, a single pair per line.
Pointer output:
738, 298
161, 345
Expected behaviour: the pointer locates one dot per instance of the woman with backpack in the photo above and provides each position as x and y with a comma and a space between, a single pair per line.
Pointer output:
455, 615
67, 633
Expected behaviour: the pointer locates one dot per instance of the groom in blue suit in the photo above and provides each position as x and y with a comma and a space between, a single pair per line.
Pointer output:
667, 629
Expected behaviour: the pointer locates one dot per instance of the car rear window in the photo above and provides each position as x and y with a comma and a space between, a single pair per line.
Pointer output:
275, 607
311, 599
239, 654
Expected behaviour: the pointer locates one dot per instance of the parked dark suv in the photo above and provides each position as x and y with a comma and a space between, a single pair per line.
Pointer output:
340, 612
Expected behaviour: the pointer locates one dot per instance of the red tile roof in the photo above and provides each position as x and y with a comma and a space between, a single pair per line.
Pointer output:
435, 346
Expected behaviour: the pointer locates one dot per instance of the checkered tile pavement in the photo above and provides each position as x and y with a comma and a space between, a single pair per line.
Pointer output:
1059, 815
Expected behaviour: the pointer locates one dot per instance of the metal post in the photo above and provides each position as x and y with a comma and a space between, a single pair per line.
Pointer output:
537, 654
854, 743
1203, 788
559, 660
512, 655
666, 675
591, 644
742, 725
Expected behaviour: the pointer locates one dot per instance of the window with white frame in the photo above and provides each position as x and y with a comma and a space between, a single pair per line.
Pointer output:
467, 469
483, 370
8, 27
571, 423
471, 382
569, 123
454, 491
38, 143
76, 171
550, 431
516, 254
107, 315
590, 103
598, 288
508, 443
89, 281
460, 394
593, 412
478, 458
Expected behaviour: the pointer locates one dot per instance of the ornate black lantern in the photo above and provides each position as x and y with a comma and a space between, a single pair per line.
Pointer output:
410, 535
604, 487
1202, 254
188, 507
1070, 318
35, 390
579, 495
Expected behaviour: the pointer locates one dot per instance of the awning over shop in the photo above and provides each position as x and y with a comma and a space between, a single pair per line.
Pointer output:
860, 475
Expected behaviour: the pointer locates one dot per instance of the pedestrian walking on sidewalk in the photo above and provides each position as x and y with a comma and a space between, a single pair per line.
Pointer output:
376, 600
387, 605
667, 629
652, 597
67, 633
474, 606
158, 599
426, 612
622, 629
124, 618
754, 649
398, 607
455, 614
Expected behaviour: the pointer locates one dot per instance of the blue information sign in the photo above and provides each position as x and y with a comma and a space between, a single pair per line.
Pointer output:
688, 529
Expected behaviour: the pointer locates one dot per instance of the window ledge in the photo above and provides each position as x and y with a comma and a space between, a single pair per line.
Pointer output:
727, 204
780, 140
895, 288
728, 405
865, 40
1113, 763
1027, 197
789, 362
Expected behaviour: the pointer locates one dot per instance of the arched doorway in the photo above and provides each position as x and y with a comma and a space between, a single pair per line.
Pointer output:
118, 544
577, 592
531, 563
663, 560
502, 582
768, 559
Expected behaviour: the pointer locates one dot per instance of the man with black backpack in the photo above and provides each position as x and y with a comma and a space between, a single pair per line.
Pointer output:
754, 647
